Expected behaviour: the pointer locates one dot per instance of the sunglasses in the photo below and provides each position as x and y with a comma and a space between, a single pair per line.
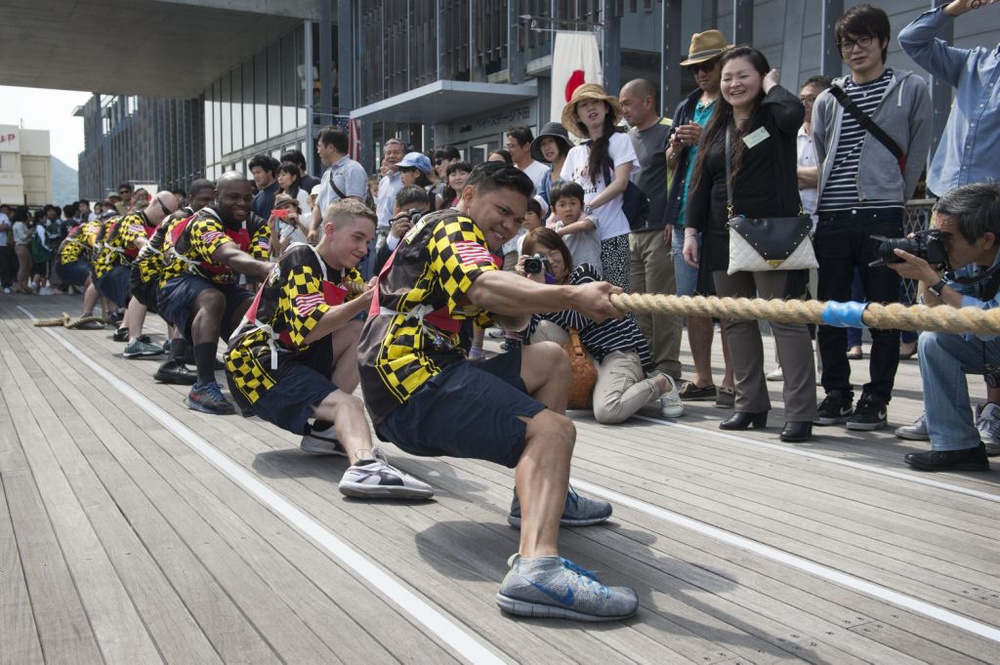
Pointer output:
163, 206
702, 66
124, 191
438, 162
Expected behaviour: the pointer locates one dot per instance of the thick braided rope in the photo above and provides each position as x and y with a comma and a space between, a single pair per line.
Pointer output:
917, 317
51, 323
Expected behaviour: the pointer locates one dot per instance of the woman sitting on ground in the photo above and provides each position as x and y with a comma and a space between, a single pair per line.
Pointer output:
618, 347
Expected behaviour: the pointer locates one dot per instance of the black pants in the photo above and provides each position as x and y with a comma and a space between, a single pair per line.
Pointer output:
843, 243
8, 265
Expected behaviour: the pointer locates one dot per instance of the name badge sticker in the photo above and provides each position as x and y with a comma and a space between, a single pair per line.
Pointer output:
756, 137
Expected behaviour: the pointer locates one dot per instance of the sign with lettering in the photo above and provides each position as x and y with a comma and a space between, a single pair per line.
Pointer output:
9, 139
490, 124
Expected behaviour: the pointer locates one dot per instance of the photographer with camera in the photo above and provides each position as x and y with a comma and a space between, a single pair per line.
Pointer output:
966, 223
618, 346
410, 204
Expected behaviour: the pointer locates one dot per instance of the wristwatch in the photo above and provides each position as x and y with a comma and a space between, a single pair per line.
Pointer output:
587, 210
937, 288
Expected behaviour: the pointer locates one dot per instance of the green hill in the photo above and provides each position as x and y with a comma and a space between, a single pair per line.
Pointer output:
65, 183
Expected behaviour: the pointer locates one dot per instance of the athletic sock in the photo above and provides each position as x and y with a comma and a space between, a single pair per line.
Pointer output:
178, 349
204, 360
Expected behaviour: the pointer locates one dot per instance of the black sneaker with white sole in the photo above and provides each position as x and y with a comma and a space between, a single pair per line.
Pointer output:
835, 408
870, 414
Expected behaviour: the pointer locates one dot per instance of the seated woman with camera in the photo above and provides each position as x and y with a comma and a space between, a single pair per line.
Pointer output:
617, 346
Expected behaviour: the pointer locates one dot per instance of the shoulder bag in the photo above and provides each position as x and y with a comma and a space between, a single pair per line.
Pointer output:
581, 390
767, 243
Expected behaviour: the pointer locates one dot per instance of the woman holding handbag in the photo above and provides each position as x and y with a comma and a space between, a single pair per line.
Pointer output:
746, 166
617, 345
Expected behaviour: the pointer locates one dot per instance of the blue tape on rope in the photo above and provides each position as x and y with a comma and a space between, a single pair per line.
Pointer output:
844, 314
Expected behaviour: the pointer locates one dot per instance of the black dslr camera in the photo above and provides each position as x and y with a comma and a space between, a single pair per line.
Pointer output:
535, 264
928, 245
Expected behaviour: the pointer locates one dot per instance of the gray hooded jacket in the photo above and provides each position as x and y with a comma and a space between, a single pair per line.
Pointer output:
904, 114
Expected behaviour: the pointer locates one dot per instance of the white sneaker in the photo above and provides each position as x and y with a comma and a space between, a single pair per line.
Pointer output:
671, 405
375, 479
775, 374
322, 442
988, 424
46, 291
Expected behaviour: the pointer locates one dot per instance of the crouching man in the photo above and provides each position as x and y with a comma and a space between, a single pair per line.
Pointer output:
295, 357
428, 399
968, 221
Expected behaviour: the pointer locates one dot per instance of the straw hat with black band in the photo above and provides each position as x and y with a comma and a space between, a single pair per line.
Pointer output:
705, 46
588, 91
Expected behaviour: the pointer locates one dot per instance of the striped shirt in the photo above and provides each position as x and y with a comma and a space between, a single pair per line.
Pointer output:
599, 339
841, 189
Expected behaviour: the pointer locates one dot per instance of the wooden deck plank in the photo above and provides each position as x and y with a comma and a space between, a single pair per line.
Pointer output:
702, 599
173, 629
17, 625
64, 632
281, 628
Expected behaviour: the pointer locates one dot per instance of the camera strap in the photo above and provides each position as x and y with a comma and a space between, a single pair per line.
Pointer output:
989, 279
869, 125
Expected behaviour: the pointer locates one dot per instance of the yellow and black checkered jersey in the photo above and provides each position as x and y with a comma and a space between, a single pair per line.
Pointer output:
119, 242
433, 267
204, 233
149, 263
292, 303
79, 244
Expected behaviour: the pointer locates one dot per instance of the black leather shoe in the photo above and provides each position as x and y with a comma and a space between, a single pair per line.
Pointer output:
794, 432
745, 421
967, 459
176, 373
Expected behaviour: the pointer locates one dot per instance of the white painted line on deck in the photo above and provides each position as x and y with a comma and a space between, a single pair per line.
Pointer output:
444, 628
790, 450
906, 602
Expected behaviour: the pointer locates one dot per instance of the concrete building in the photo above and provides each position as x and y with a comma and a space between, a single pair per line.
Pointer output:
25, 166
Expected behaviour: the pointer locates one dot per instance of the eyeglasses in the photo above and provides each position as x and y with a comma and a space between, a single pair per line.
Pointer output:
847, 45
702, 66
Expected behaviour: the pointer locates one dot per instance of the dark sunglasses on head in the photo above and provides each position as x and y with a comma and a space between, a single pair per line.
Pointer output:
163, 206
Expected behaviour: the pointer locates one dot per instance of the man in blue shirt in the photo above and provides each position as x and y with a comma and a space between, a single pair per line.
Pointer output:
264, 169
968, 147
968, 221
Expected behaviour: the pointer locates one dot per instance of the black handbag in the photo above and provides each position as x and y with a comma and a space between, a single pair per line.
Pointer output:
766, 243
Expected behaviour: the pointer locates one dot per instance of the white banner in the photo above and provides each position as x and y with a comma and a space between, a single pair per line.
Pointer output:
575, 60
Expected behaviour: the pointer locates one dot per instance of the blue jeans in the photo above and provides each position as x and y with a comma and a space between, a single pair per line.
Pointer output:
944, 361
685, 276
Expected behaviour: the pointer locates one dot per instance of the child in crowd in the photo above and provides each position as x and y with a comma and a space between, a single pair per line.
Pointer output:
579, 232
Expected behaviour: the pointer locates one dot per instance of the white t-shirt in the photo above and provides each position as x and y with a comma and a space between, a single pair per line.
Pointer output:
536, 171
807, 157
611, 220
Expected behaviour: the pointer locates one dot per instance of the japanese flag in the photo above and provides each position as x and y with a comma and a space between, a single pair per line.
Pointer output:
575, 60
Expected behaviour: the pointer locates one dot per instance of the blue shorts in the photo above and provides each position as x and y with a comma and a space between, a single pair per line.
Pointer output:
113, 285
144, 292
470, 410
75, 273
291, 402
177, 297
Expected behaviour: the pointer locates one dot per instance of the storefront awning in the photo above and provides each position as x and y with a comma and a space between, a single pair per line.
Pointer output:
442, 101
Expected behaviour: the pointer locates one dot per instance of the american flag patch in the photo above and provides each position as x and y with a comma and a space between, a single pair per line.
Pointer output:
208, 237
306, 304
136, 228
472, 253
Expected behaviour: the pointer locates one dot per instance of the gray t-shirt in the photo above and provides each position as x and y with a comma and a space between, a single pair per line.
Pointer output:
651, 147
